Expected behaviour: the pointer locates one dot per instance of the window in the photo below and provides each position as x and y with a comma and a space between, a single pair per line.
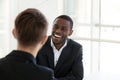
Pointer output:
4, 27
97, 28
110, 31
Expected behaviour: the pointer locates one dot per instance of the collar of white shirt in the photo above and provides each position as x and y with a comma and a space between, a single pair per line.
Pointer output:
57, 52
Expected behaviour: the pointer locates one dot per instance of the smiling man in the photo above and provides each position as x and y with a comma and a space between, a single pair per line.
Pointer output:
62, 54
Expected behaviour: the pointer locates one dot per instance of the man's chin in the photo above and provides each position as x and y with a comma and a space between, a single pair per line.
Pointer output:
56, 42
56, 39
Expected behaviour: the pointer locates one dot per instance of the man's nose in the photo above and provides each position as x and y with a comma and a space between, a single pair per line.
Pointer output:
58, 30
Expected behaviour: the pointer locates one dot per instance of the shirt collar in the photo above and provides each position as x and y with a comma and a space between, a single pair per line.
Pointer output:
53, 46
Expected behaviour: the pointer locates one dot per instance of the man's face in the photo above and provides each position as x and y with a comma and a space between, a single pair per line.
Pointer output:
61, 30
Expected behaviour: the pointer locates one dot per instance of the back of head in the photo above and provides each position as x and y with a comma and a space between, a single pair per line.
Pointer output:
31, 27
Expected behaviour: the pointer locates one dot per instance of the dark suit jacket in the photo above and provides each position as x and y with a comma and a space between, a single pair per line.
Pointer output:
69, 66
19, 65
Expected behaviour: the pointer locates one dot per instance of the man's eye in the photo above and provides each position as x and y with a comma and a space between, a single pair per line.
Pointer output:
64, 29
56, 27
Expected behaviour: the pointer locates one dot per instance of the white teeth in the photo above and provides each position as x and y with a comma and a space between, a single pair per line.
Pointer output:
57, 35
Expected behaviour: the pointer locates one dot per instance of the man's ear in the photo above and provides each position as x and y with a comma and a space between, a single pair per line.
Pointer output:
71, 31
14, 33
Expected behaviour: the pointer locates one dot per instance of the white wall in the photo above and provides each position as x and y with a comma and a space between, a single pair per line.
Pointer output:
4, 17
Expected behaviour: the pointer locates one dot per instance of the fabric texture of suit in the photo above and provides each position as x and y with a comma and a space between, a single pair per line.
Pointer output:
19, 65
69, 66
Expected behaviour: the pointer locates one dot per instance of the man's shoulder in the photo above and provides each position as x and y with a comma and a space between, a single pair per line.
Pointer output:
48, 41
3, 61
74, 43
45, 69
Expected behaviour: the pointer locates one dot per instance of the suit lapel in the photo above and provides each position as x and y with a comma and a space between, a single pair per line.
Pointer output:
50, 58
64, 54
50, 54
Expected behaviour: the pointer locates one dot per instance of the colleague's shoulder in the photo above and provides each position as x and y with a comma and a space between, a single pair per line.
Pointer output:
47, 42
3, 61
74, 43
4, 69
75, 48
45, 46
45, 70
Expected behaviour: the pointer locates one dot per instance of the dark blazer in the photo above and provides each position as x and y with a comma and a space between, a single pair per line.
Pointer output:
69, 66
19, 65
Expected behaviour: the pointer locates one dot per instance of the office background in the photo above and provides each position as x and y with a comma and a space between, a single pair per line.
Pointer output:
96, 27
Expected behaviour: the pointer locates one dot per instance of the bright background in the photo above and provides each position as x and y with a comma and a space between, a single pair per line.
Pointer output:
96, 27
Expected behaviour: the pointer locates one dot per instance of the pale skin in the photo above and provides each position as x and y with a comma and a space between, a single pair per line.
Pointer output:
30, 49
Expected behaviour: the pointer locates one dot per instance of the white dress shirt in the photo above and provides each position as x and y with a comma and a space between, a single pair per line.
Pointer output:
57, 52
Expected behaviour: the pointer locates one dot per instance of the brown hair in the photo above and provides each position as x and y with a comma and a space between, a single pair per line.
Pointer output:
31, 26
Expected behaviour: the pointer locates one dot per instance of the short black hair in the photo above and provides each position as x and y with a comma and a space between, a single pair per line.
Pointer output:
66, 17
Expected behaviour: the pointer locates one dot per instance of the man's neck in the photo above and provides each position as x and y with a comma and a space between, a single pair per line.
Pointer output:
58, 46
31, 50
